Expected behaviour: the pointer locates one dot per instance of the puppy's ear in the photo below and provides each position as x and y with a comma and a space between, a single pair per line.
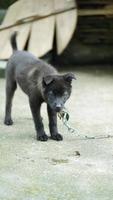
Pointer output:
47, 80
69, 76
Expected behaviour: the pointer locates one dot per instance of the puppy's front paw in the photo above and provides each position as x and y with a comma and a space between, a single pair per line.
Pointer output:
57, 137
42, 138
8, 122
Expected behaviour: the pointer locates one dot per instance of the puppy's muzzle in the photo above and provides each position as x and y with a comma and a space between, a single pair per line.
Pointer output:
58, 108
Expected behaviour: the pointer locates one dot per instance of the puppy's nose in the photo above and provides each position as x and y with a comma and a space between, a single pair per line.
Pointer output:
58, 108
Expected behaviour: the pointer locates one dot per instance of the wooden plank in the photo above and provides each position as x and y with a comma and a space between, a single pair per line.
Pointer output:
11, 14
26, 10
63, 5
65, 23
94, 2
65, 26
42, 34
4, 35
23, 33
35, 8
41, 8
6, 50
43, 29
89, 12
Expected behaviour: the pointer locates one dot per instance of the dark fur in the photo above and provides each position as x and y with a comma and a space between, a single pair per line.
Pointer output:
42, 83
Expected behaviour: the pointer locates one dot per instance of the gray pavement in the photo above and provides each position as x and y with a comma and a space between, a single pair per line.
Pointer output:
32, 170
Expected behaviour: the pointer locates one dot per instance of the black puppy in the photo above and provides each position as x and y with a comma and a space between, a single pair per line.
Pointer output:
42, 83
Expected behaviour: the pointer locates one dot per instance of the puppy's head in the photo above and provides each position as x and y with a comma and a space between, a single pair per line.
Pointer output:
57, 89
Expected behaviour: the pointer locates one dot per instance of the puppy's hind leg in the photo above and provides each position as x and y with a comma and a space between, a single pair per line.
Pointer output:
10, 89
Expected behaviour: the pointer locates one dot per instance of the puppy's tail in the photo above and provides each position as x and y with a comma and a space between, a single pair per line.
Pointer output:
13, 41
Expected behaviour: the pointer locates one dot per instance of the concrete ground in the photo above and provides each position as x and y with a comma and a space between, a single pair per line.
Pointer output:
33, 170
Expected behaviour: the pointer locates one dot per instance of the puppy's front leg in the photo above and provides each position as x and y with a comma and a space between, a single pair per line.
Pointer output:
53, 124
35, 109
